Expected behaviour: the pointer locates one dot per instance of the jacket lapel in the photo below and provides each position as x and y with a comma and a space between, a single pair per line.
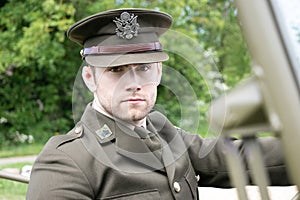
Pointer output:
174, 146
167, 156
130, 145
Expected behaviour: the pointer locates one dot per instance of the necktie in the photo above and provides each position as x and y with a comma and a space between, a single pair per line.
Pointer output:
151, 140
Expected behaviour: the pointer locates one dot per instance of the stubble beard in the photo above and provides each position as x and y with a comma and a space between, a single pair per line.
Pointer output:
131, 113
127, 112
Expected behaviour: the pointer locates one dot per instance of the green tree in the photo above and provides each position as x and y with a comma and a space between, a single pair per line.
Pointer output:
38, 63
36, 80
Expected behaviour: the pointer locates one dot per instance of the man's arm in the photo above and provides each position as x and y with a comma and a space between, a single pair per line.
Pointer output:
208, 158
56, 176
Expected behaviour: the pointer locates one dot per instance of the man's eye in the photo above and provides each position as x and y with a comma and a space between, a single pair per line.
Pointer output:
116, 69
143, 68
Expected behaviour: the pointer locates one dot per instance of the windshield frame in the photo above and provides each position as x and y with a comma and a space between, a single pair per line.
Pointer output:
282, 14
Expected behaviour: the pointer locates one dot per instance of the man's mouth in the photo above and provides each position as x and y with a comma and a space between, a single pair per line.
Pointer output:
134, 100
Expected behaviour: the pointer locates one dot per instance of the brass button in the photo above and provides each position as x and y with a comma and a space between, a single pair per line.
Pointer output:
78, 130
176, 186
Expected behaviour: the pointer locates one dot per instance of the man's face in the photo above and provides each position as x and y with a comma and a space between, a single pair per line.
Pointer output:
128, 92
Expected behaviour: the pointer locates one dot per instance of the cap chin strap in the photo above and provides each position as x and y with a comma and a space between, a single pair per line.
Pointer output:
119, 49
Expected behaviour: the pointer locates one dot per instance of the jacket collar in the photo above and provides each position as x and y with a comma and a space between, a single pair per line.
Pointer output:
95, 122
126, 141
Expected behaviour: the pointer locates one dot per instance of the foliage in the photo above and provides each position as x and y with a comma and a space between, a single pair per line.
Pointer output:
38, 64
35, 87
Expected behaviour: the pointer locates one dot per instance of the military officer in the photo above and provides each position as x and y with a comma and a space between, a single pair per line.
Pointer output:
121, 149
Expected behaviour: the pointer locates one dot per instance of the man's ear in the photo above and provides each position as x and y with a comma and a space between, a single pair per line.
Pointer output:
88, 78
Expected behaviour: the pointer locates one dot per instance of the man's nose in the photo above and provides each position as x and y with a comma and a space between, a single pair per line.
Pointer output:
132, 80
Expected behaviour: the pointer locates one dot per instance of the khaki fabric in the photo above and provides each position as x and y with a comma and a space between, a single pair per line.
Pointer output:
117, 165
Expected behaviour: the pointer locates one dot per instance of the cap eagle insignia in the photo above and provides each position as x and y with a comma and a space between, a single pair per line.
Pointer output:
127, 26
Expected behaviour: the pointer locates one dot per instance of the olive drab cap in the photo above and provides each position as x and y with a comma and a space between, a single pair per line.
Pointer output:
121, 37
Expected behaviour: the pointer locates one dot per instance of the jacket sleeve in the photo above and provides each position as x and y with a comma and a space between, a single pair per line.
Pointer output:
56, 176
208, 158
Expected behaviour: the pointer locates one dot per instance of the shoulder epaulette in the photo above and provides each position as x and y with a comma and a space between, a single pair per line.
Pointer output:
59, 140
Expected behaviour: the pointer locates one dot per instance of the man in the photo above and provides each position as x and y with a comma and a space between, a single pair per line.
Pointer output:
121, 149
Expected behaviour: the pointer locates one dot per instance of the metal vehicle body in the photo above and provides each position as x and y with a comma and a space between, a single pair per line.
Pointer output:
268, 102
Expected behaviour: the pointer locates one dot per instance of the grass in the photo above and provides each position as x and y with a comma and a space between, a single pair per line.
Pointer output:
21, 150
12, 190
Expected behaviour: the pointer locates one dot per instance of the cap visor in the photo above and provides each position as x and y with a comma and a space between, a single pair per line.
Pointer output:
125, 59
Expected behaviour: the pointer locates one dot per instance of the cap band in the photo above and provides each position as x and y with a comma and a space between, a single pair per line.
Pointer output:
117, 49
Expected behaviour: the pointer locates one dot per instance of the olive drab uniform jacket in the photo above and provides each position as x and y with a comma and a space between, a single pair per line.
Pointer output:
103, 159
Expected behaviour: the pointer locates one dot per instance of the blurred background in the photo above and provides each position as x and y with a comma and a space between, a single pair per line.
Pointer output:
38, 63
38, 66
